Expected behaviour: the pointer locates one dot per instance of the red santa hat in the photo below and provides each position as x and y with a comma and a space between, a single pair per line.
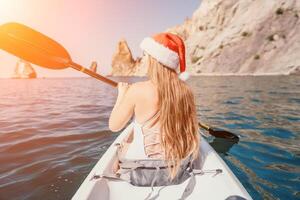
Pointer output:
168, 49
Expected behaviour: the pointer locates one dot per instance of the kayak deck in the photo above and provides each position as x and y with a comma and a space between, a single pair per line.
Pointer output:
208, 186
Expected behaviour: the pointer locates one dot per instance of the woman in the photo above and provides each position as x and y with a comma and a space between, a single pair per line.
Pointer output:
165, 124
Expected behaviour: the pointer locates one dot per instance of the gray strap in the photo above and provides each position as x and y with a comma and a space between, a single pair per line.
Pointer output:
130, 165
108, 176
192, 182
155, 177
211, 171
157, 195
235, 197
152, 185
123, 171
189, 187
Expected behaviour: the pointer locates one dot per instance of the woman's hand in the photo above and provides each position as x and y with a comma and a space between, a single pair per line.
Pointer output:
122, 89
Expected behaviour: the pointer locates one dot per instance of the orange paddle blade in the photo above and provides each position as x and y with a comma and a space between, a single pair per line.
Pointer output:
33, 46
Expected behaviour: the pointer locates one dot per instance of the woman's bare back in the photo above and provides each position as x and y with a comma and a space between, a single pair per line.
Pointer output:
146, 101
146, 111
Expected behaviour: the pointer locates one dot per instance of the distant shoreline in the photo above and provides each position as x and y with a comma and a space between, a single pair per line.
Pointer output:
213, 74
129, 76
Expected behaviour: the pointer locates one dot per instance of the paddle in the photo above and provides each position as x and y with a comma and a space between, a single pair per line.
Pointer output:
33, 46
39, 49
219, 133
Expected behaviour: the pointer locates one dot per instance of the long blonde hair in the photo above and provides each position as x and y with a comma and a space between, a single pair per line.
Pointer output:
178, 119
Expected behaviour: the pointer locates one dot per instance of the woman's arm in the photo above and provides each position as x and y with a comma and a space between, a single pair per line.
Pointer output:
124, 107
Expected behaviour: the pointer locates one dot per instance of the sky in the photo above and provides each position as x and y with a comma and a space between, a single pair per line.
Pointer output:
91, 29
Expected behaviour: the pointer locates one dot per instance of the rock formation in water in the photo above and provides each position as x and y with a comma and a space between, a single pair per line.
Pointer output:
123, 64
24, 70
240, 37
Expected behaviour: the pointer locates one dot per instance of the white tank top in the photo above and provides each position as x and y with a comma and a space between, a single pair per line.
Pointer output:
136, 149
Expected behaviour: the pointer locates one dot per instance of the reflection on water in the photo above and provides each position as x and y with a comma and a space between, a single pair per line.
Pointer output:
52, 132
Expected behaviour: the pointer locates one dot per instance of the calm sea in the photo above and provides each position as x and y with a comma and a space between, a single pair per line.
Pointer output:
53, 131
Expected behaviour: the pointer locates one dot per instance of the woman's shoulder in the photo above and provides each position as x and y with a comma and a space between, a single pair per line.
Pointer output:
142, 89
140, 86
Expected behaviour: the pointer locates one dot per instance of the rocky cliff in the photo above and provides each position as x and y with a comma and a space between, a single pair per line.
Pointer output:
240, 37
24, 70
123, 63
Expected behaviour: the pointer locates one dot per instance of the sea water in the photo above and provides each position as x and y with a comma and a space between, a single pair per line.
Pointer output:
53, 131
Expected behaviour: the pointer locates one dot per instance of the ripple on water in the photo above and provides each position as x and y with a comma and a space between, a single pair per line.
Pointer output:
257, 165
279, 132
294, 100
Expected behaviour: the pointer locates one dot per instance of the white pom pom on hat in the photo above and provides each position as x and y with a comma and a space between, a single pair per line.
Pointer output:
184, 76
168, 49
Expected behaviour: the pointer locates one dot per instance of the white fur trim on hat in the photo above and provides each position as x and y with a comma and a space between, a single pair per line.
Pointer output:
161, 53
184, 76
